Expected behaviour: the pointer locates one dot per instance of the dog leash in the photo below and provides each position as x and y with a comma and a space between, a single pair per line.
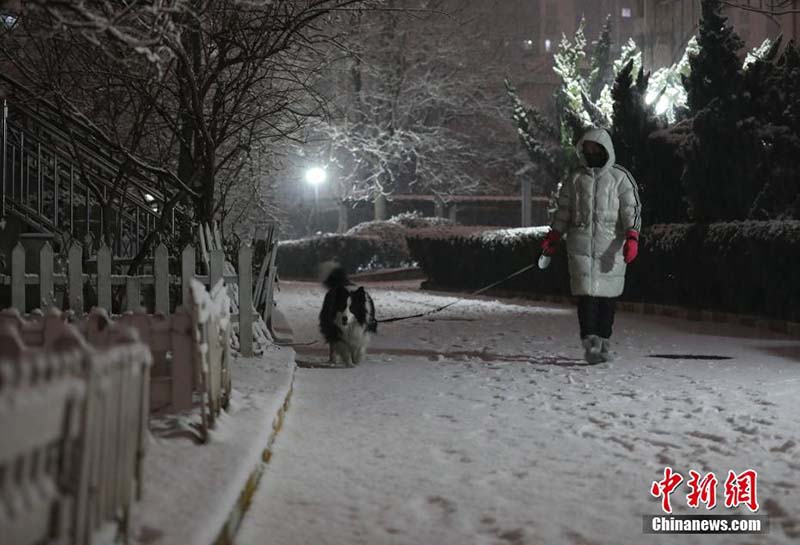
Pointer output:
448, 305
441, 308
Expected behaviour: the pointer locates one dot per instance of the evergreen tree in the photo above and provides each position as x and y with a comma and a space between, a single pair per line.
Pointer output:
539, 137
716, 68
602, 72
573, 119
774, 89
633, 118
651, 163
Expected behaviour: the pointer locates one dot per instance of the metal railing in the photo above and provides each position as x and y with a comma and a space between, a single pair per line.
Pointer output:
57, 172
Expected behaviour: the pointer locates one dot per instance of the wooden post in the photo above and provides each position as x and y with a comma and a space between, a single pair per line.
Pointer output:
75, 278
132, 293
187, 273
104, 277
161, 273
526, 210
262, 275
183, 373
46, 292
18, 278
215, 267
270, 287
203, 246
245, 300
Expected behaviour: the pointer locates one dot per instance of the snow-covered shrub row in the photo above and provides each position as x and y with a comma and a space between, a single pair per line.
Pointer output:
301, 258
465, 259
367, 246
745, 267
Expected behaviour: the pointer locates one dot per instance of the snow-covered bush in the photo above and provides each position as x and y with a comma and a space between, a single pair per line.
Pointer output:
394, 250
746, 267
301, 258
367, 246
470, 260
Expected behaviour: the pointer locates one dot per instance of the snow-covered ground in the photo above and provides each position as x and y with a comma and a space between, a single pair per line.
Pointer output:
480, 427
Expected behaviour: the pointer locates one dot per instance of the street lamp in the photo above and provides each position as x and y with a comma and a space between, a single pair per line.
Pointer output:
315, 177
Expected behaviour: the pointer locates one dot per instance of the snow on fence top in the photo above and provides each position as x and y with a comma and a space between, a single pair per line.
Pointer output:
211, 327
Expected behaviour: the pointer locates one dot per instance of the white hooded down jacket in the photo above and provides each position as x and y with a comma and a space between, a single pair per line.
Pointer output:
596, 208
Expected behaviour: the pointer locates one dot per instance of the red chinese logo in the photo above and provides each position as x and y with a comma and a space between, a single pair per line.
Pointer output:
703, 490
663, 488
739, 489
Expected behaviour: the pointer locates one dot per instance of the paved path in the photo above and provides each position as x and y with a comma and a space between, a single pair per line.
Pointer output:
481, 427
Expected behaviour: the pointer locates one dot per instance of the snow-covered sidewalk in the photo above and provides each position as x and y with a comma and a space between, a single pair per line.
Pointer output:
191, 490
479, 427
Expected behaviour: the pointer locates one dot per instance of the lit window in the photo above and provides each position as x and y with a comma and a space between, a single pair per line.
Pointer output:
548, 45
626, 13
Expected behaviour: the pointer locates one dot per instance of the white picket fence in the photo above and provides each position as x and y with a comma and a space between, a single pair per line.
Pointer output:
190, 349
103, 281
74, 421
211, 328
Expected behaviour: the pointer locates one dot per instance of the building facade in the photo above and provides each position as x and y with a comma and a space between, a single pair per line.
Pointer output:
669, 24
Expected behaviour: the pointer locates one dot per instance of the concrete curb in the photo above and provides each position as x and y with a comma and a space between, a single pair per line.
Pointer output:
652, 309
228, 532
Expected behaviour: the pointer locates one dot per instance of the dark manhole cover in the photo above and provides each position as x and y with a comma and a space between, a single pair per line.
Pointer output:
690, 357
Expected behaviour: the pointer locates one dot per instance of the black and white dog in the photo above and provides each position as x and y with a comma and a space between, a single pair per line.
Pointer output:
347, 319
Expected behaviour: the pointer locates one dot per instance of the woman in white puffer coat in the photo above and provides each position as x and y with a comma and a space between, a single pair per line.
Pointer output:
599, 211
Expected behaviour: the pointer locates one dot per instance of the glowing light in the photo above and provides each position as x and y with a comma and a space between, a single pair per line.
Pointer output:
316, 176
663, 105
148, 197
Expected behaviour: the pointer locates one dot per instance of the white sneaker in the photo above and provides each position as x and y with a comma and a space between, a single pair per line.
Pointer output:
593, 346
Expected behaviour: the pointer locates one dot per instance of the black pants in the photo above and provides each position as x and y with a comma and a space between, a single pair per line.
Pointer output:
596, 316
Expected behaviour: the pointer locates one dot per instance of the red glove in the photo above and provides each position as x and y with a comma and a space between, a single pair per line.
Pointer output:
631, 248
550, 242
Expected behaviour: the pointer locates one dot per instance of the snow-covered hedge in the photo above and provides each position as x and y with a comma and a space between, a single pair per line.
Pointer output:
367, 246
394, 249
471, 260
301, 258
742, 267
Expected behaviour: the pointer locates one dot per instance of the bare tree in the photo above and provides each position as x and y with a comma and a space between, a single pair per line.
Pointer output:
770, 8
142, 26
238, 77
415, 104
